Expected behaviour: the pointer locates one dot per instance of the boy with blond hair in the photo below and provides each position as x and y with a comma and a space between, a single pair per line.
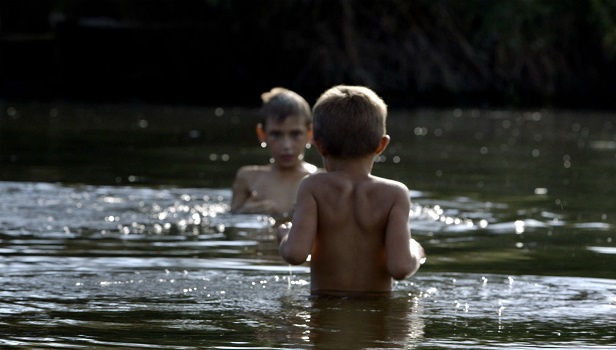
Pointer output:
354, 225
285, 129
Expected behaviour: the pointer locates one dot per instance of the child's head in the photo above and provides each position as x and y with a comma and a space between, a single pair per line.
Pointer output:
286, 126
349, 121
280, 103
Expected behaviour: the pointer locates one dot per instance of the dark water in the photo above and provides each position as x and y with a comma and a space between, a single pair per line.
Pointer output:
115, 233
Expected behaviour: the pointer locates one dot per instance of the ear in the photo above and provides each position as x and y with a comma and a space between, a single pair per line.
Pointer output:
384, 142
260, 132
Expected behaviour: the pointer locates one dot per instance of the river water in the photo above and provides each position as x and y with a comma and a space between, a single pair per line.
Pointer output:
115, 233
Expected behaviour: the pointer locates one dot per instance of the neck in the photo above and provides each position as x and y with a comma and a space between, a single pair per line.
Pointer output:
358, 166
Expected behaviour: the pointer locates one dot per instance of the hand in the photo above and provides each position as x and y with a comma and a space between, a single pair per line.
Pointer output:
283, 231
262, 206
417, 251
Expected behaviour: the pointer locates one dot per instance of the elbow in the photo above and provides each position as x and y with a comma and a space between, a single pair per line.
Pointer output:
235, 208
291, 257
293, 260
402, 271
400, 274
410, 264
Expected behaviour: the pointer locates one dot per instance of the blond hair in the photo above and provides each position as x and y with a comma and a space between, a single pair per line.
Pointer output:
349, 121
280, 103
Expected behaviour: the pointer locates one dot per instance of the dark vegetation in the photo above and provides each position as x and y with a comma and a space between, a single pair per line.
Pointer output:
516, 53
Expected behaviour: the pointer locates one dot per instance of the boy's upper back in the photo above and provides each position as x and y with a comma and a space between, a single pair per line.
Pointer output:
352, 204
354, 225
354, 218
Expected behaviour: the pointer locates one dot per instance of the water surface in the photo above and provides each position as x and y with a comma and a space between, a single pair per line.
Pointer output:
115, 233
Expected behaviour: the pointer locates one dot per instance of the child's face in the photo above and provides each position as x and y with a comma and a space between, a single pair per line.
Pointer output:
286, 140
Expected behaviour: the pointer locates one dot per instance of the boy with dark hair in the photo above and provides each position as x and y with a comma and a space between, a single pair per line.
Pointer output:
285, 129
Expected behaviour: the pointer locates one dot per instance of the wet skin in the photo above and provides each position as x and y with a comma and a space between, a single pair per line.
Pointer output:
271, 189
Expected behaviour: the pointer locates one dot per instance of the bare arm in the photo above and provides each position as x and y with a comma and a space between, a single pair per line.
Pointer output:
240, 190
402, 261
297, 244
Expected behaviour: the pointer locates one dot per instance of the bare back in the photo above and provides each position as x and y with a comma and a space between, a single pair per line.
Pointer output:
361, 234
354, 225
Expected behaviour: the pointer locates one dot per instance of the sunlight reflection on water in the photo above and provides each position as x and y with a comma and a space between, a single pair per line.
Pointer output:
114, 261
515, 213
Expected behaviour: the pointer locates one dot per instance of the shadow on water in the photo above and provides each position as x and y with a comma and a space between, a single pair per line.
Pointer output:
115, 233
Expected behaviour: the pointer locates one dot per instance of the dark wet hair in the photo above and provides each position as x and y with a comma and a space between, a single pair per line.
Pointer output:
349, 121
280, 103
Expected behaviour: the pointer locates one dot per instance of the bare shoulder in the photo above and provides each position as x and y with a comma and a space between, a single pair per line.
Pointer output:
390, 187
389, 183
319, 182
315, 179
252, 170
248, 174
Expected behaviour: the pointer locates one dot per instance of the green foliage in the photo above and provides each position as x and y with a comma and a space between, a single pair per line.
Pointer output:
601, 14
435, 52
